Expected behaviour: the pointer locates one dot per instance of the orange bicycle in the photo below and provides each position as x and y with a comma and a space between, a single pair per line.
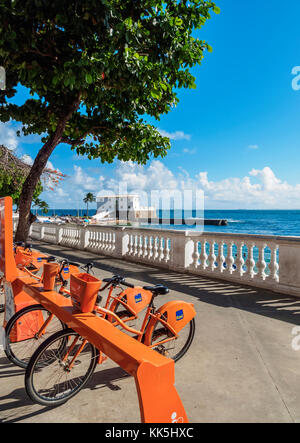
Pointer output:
26, 259
30, 326
169, 329
62, 364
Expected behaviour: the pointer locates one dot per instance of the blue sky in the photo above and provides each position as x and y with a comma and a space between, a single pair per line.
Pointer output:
237, 136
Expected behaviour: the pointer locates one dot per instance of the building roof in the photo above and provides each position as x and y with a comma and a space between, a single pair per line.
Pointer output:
117, 195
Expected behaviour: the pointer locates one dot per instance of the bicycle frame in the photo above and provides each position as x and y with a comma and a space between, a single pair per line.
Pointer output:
150, 314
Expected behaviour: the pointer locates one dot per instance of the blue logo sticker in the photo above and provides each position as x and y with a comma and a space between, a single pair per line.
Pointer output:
179, 315
138, 298
39, 259
66, 270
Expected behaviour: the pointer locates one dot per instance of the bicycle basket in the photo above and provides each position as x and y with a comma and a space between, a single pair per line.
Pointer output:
84, 289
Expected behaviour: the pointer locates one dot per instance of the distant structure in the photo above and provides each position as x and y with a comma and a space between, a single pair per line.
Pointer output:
124, 207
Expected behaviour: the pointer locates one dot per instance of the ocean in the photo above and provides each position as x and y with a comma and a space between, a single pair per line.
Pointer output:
260, 222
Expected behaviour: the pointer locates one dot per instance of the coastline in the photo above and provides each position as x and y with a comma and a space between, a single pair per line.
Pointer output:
258, 222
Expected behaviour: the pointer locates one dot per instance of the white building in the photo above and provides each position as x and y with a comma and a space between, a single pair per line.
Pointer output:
122, 207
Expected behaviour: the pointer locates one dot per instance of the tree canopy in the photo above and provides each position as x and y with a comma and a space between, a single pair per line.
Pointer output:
95, 70
116, 59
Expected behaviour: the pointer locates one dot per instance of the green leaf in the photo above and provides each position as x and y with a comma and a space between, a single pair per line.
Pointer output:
88, 78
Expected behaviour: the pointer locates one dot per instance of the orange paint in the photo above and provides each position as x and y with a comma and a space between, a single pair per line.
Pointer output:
154, 374
84, 289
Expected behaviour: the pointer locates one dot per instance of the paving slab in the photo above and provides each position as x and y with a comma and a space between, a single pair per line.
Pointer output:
241, 367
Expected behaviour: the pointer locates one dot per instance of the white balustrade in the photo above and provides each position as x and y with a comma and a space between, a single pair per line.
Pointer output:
250, 259
70, 236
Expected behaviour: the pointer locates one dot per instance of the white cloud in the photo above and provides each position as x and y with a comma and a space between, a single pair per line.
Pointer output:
177, 135
259, 189
8, 136
27, 159
254, 147
189, 151
85, 181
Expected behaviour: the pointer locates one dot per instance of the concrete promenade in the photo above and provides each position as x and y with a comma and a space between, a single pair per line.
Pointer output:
241, 366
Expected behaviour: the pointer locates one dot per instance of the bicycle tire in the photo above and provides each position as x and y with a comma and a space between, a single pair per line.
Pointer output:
160, 332
46, 379
20, 352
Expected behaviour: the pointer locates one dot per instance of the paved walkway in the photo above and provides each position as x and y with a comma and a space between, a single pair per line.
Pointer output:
241, 366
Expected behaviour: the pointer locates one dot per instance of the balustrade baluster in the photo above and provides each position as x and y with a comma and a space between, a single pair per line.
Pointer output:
196, 255
212, 257
261, 264
273, 263
161, 248
203, 255
250, 263
229, 259
221, 257
240, 259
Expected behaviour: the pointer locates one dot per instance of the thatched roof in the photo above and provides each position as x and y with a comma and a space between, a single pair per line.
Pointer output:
12, 164
15, 166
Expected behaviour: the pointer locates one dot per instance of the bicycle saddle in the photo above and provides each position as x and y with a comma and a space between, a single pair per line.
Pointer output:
158, 289
51, 259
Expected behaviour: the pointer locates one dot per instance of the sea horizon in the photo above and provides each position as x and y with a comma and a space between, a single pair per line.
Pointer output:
280, 222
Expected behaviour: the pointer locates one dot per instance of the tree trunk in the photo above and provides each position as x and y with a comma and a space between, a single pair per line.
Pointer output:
25, 201
87, 209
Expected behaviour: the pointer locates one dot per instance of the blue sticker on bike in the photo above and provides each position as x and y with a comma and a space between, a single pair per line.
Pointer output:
138, 298
39, 259
66, 270
179, 315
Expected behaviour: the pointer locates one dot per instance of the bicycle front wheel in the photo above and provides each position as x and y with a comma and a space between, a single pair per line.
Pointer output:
22, 332
56, 373
176, 347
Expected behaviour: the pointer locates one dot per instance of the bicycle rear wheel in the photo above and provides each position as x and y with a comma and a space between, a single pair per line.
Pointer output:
176, 348
49, 378
21, 333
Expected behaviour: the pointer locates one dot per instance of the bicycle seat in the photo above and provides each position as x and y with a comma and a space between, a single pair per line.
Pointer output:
158, 289
50, 259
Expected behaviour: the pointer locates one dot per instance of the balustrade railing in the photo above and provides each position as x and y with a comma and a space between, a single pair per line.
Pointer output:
261, 261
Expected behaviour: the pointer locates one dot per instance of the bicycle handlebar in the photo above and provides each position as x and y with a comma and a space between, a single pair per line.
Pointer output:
116, 280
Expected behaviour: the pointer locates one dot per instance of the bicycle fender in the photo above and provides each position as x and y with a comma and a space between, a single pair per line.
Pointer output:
136, 299
177, 313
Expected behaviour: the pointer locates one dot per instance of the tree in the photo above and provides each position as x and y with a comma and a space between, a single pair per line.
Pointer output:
38, 203
94, 68
89, 198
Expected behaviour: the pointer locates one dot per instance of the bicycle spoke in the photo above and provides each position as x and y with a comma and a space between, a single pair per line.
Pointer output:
49, 379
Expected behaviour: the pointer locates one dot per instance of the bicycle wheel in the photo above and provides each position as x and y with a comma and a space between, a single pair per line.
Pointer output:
49, 379
174, 349
21, 333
